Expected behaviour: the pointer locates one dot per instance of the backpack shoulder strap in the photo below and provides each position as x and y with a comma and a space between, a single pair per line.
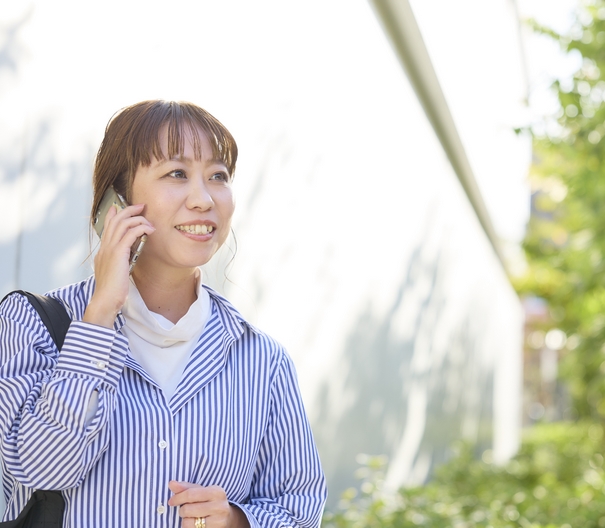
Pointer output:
44, 508
52, 312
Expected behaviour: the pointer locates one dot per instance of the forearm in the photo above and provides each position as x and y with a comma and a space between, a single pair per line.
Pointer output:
53, 445
53, 439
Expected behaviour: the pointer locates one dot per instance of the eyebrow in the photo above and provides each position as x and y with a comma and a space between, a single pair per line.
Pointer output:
185, 159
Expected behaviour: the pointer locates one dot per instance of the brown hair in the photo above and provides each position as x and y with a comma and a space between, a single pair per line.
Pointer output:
132, 138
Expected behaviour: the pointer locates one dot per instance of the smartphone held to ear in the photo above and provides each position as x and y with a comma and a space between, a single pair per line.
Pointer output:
112, 198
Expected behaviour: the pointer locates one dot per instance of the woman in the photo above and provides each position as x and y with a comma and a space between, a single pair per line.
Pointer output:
164, 407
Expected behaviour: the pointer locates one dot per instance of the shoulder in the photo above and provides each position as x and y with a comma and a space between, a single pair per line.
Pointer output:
20, 321
247, 336
75, 297
16, 307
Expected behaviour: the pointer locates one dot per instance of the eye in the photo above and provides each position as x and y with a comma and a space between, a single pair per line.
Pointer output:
177, 173
220, 176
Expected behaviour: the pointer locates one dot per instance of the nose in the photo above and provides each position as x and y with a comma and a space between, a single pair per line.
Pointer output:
199, 196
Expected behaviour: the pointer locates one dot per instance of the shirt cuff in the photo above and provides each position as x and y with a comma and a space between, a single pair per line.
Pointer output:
93, 351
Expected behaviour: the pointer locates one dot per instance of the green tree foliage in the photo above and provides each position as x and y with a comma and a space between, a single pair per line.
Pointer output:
565, 243
557, 480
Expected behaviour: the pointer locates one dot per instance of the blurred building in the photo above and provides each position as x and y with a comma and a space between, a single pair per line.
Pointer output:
545, 396
379, 186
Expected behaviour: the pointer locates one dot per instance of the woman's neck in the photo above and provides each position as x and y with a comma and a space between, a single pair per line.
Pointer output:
170, 296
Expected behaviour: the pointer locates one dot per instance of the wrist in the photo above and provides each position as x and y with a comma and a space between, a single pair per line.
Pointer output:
238, 518
99, 315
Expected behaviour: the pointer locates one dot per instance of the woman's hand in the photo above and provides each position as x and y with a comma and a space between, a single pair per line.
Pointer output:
209, 502
112, 262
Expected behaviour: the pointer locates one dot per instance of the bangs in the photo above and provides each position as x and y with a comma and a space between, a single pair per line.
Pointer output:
183, 121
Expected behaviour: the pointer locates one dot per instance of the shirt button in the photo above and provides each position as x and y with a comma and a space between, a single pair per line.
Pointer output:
161, 509
100, 364
163, 444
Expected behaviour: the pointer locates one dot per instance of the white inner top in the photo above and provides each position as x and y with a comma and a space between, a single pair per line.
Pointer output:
159, 346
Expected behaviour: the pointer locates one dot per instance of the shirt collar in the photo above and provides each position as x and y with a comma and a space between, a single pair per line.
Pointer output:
232, 320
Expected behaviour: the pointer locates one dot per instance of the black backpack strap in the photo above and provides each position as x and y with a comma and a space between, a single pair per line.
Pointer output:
52, 312
44, 508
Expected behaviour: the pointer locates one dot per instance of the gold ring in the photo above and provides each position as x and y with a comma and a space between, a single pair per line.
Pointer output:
200, 522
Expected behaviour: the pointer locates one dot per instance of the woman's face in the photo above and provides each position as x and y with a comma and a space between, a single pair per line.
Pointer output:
189, 202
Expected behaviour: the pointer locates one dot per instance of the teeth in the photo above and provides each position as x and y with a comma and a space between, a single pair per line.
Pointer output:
196, 229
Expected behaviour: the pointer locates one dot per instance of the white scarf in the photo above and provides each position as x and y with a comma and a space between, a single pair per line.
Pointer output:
159, 346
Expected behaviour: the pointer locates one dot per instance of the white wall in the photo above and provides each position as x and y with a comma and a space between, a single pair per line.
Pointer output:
356, 245
475, 47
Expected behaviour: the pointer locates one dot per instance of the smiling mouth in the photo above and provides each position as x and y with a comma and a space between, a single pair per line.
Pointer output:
196, 229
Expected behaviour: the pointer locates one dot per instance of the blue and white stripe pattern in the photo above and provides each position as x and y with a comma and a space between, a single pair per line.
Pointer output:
236, 420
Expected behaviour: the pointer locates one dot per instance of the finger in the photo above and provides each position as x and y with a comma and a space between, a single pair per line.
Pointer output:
203, 494
216, 512
111, 254
131, 210
126, 233
115, 215
195, 509
111, 213
128, 216
190, 522
180, 490
177, 487
191, 494
135, 233
194, 493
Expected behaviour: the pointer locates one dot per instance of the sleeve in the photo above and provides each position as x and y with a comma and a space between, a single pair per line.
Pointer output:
288, 488
46, 441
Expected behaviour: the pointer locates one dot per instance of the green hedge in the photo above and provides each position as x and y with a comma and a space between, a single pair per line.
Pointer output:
556, 481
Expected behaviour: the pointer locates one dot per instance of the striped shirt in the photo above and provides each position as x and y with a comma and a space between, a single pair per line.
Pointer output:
236, 420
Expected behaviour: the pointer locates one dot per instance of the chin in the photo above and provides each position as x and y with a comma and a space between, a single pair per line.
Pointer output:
194, 262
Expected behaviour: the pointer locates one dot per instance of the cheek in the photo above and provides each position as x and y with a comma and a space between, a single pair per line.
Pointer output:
231, 210
137, 187
160, 207
152, 211
227, 207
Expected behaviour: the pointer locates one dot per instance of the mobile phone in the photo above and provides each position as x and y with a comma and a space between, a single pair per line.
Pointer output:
111, 198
